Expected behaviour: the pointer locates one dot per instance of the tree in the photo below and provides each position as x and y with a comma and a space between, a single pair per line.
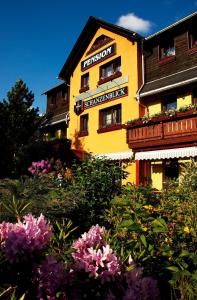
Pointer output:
19, 122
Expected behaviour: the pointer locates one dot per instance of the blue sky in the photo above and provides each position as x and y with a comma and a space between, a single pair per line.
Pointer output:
36, 36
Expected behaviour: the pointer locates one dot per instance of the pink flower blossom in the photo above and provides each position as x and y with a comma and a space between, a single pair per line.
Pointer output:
5, 228
94, 256
40, 167
24, 238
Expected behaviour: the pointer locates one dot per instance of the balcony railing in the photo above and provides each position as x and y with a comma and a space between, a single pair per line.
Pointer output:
163, 131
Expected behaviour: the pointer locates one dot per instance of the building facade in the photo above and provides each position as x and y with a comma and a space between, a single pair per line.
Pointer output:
167, 135
114, 75
105, 75
57, 110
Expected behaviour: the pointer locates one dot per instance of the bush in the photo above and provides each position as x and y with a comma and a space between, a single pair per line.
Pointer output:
159, 232
82, 196
32, 266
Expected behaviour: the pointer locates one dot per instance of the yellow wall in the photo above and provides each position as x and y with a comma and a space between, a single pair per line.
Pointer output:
131, 169
184, 100
154, 107
157, 174
113, 141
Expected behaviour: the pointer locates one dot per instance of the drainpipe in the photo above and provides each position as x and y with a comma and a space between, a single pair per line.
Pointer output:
143, 73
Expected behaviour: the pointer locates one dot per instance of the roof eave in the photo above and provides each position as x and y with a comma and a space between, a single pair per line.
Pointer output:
85, 37
168, 87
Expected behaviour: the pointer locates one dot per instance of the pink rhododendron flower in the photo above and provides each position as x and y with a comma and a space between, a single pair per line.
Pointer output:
90, 238
24, 238
94, 256
40, 167
5, 228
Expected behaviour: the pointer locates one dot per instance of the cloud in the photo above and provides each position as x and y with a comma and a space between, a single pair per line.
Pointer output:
134, 23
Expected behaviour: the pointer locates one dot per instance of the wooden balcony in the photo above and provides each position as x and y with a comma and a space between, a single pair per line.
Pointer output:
163, 132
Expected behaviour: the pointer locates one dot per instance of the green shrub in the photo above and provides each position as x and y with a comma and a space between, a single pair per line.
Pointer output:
159, 232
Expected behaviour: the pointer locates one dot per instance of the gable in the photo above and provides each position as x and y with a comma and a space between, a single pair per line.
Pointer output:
85, 38
99, 42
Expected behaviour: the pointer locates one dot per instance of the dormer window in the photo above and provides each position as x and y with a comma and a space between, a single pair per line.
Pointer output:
167, 49
192, 39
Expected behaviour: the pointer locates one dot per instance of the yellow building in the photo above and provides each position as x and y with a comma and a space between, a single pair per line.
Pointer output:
103, 72
114, 75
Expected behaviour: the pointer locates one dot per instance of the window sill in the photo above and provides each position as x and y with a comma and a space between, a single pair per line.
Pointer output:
82, 133
84, 89
110, 78
110, 128
166, 60
192, 50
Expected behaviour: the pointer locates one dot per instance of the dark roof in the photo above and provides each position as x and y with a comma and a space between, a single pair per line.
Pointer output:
54, 88
85, 38
55, 119
179, 22
168, 82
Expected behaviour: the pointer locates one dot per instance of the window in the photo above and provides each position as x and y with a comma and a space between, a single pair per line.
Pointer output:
110, 71
194, 96
64, 95
171, 169
83, 125
111, 68
167, 49
170, 102
85, 80
53, 99
84, 83
110, 116
192, 39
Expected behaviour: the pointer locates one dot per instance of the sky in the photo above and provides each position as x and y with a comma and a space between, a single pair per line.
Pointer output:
36, 36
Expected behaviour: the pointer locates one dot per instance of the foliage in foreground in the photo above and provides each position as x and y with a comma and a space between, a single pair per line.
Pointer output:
31, 266
159, 232
81, 197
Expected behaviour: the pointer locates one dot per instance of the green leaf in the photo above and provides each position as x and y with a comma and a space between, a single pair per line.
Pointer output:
159, 225
143, 240
173, 269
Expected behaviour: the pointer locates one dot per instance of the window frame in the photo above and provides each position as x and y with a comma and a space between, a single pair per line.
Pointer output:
115, 122
191, 35
84, 87
114, 73
191, 49
167, 100
84, 120
163, 47
194, 96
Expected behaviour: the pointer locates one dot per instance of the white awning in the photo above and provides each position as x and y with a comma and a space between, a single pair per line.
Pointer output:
167, 153
115, 155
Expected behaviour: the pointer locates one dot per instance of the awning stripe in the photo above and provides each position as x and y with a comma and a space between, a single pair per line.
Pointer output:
167, 153
115, 155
